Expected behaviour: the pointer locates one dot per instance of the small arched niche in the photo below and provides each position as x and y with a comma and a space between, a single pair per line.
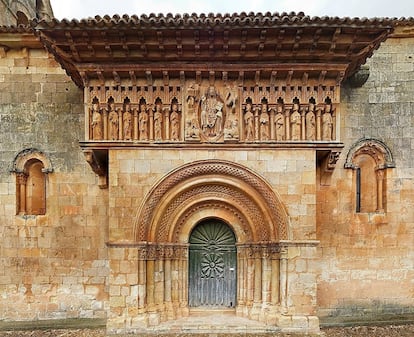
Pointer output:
370, 159
31, 167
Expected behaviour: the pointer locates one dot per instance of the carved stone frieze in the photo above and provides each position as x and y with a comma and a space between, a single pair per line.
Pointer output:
161, 251
212, 112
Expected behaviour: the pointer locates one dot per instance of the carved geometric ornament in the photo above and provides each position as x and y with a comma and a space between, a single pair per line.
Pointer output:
375, 148
219, 186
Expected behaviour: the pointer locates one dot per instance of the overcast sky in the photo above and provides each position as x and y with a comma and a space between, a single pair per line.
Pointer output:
343, 8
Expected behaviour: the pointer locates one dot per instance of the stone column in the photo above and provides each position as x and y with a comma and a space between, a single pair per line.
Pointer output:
318, 124
380, 183
21, 183
275, 274
153, 318
105, 124
184, 285
266, 276
257, 291
256, 123
241, 279
284, 279
287, 123
168, 285
303, 124
135, 135
175, 284
250, 277
151, 124
167, 122
120, 125
159, 282
272, 124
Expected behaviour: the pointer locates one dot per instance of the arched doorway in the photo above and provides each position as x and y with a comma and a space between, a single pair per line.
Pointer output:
212, 265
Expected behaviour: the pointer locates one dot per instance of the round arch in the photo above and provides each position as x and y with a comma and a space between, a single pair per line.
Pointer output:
375, 148
211, 188
28, 155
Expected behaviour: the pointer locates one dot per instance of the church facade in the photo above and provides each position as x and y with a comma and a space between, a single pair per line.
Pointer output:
157, 166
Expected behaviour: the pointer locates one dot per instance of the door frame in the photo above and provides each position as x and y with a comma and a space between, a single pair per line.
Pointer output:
228, 252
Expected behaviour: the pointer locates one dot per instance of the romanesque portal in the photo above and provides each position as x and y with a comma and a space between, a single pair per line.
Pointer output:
212, 240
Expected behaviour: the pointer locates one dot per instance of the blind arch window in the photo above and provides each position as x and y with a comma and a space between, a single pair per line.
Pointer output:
31, 168
370, 159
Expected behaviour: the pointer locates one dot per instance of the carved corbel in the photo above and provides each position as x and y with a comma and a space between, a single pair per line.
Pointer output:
3, 51
358, 79
327, 162
98, 160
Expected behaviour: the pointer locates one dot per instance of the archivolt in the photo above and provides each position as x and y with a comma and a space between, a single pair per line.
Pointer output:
229, 190
27, 155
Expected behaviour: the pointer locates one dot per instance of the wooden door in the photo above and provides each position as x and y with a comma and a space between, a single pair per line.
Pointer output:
212, 266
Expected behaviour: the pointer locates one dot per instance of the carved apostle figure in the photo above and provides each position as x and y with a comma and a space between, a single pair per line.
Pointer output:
143, 122
113, 121
192, 125
158, 121
249, 122
96, 123
191, 129
295, 122
310, 122
175, 122
280, 123
264, 123
327, 123
211, 114
127, 121
231, 127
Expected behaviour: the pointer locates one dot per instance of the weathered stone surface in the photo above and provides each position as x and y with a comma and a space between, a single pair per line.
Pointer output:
121, 252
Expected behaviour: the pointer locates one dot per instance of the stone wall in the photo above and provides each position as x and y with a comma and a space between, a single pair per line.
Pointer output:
133, 173
367, 260
290, 174
53, 265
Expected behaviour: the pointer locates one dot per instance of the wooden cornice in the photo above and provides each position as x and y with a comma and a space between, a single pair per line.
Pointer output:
134, 73
254, 39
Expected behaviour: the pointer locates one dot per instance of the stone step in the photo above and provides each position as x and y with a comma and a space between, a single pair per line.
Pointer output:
215, 324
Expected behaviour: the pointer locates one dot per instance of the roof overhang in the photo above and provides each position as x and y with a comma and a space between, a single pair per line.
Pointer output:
280, 46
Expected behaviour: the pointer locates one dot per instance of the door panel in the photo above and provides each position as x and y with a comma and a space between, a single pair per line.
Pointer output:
212, 266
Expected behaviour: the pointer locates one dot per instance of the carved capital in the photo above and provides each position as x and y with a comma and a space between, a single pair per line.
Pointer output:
21, 178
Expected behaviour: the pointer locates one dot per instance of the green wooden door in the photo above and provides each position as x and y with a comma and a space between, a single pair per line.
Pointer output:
212, 266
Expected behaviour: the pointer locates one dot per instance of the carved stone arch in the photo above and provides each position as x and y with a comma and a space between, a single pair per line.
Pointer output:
27, 155
369, 159
203, 210
30, 167
211, 202
374, 148
221, 184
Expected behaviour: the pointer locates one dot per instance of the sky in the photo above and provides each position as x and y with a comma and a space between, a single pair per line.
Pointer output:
343, 8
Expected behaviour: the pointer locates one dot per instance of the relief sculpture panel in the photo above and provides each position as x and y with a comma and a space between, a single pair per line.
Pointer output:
212, 113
